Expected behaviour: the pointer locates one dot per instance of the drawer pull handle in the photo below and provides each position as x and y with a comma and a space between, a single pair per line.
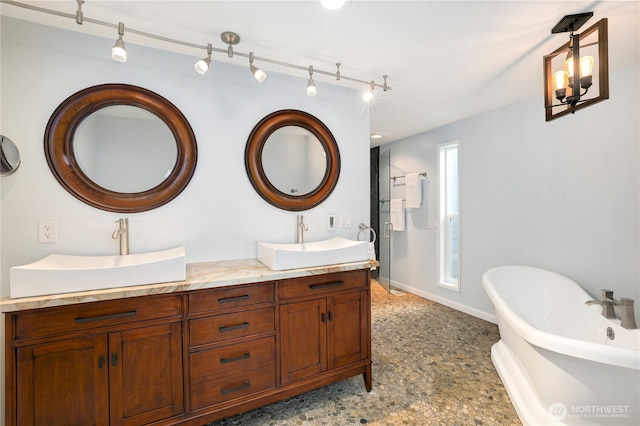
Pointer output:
101, 361
81, 320
330, 316
114, 359
235, 358
333, 284
245, 385
323, 317
233, 299
233, 327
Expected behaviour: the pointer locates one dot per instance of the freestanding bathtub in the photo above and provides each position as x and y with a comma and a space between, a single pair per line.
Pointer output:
554, 355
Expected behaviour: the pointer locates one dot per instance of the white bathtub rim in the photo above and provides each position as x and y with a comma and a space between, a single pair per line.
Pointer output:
612, 355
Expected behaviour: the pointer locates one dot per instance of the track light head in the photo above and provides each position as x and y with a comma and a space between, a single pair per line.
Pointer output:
368, 95
311, 87
202, 65
118, 51
258, 74
79, 15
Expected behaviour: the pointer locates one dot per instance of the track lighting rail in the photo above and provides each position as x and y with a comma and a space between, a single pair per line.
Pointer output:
80, 19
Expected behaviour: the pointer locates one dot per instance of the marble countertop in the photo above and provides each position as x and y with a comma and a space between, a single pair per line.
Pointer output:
199, 276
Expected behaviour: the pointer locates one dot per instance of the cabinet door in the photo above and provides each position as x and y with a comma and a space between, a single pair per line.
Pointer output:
347, 328
303, 334
63, 382
146, 374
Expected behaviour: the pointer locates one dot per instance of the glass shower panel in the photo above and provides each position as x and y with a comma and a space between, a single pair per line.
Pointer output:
384, 270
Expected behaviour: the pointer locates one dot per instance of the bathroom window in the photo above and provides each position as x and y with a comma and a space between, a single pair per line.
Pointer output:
449, 229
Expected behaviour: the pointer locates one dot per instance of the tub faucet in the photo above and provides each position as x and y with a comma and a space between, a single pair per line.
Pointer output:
123, 233
301, 227
607, 304
625, 311
627, 316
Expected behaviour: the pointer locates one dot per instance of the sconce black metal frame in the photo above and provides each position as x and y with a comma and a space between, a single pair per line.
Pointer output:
572, 103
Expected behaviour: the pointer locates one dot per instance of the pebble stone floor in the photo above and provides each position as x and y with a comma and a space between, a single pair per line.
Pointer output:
431, 366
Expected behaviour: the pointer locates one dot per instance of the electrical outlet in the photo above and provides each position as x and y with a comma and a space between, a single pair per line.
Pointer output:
47, 231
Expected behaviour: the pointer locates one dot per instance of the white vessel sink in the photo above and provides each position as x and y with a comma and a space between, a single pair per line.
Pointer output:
328, 252
59, 273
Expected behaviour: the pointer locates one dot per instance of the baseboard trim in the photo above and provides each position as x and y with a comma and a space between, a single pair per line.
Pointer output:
446, 302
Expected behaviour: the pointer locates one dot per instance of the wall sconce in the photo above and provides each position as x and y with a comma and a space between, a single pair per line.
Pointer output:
585, 55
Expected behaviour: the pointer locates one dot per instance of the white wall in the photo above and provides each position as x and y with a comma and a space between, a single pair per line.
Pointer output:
219, 215
562, 195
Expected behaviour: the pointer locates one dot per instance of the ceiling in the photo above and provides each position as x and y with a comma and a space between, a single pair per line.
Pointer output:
446, 60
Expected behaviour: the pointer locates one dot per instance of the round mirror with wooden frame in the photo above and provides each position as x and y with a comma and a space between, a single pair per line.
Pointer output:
280, 195
60, 149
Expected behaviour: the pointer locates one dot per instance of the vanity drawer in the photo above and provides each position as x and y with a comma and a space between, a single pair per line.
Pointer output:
227, 359
230, 326
220, 389
88, 316
319, 284
229, 297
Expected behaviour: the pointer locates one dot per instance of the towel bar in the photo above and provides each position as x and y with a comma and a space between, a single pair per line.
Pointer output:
398, 177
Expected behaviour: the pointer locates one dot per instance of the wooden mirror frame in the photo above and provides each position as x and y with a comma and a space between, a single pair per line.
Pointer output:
59, 150
255, 169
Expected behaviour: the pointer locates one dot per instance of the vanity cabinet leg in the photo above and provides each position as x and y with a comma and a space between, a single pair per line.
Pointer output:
367, 378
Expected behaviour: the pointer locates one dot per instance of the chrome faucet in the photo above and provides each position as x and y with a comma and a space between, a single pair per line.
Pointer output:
301, 227
123, 233
626, 312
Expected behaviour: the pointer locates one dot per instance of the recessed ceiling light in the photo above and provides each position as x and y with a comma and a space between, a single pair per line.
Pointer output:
332, 4
376, 136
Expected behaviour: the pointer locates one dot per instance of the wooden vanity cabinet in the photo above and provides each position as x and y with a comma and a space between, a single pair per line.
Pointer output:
186, 358
324, 325
102, 363
231, 344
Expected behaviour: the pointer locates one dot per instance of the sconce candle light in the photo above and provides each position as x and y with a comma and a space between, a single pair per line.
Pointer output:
563, 85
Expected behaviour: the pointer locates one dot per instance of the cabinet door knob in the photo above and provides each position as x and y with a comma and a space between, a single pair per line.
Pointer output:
323, 317
114, 359
101, 361
330, 316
